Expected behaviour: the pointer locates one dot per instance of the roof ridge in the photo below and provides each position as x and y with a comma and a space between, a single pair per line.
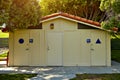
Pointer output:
72, 17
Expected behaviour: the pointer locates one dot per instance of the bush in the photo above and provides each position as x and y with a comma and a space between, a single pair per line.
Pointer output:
115, 44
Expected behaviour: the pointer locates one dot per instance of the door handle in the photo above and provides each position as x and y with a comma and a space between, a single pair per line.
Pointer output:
48, 48
27, 48
92, 49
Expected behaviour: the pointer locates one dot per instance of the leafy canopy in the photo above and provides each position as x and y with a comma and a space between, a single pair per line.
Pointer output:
88, 9
112, 7
21, 14
106, 4
4, 10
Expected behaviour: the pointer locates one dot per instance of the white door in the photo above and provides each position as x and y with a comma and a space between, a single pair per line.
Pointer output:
21, 48
35, 50
54, 49
97, 47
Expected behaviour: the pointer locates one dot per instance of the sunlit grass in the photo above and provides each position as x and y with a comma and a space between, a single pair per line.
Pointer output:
4, 54
4, 35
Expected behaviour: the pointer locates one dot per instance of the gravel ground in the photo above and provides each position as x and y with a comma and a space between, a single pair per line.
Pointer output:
60, 73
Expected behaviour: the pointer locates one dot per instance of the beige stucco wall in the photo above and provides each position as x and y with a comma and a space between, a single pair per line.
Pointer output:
60, 25
85, 48
11, 49
71, 48
36, 52
76, 52
37, 48
108, 48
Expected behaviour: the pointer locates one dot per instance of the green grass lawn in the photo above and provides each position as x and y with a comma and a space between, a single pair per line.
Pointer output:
16, 76
4, 35
97, 77
3, 56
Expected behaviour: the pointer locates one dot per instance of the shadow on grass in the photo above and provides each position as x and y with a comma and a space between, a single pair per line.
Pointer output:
97, 77
16, 76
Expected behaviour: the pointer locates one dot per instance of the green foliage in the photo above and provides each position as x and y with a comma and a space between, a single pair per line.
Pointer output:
105, 25
84, 8
106, 4
111, 23
112, 9
116, 7
20, 14
115, 55
16, 76
24, 13
4, 10
115, 44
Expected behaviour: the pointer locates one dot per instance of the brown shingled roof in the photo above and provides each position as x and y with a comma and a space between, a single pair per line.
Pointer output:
72, 17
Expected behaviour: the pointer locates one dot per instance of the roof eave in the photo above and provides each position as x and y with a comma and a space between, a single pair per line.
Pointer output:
48, 19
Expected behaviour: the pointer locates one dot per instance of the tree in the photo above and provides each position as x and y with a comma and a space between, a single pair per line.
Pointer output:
112, 23
4, 10
84, 8
116, 6
22, 14
106, 4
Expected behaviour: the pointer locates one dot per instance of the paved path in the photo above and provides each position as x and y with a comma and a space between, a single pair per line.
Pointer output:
60, 73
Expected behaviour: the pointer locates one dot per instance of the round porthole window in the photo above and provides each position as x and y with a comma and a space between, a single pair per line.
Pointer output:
21, 41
